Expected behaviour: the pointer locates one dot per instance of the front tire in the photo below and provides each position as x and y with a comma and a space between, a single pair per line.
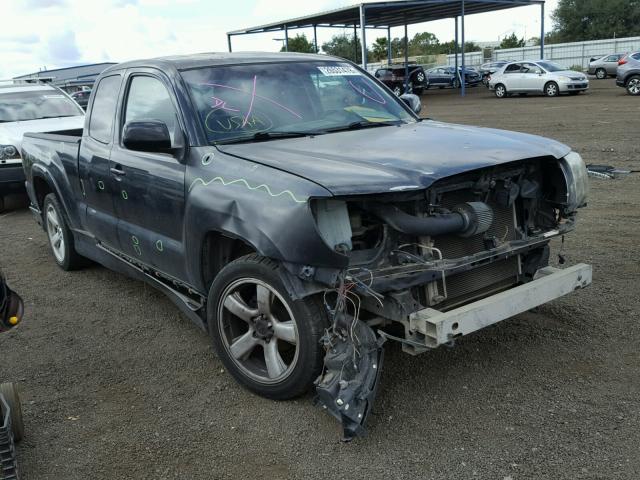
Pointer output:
269, 342
551, 89
601, 74
500, 91
633, 85
59, 234
10, 394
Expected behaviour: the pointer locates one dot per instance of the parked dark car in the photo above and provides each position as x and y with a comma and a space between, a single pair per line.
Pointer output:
628, 73
393, 77
606, 66
442, 77
298, 218
488, 69
82, 97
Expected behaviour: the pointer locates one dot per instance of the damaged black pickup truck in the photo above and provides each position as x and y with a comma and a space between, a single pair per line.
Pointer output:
304, 219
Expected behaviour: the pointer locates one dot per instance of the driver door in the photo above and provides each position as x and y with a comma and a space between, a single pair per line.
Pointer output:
150, 195
532, 77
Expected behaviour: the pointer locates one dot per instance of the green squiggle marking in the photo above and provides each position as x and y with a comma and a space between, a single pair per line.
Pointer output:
159, 246
125, 195
100, 184
246, 184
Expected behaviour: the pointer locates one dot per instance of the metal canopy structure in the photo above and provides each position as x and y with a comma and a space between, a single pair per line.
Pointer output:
393, 13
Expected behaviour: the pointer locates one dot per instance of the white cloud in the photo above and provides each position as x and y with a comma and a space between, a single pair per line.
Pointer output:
59, 33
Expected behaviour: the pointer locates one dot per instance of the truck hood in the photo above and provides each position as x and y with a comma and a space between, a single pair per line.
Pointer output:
11, 132
406, 157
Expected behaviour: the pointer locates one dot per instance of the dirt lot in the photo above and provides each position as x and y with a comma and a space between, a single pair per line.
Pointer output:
118, 385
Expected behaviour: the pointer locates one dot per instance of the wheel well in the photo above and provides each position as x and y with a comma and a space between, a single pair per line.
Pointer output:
41, 188
217, 251
631, 77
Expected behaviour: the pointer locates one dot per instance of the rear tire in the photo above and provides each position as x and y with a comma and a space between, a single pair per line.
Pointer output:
269, 342
59, 234
633, 85
10, 394
551, 89
601, 74
500, 91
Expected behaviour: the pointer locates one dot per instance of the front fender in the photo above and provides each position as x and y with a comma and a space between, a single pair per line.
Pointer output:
265, 207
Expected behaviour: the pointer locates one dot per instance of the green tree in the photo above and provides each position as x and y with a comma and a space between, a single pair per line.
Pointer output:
344, 46
299, 43
379, 49
449, 47
424, 43
512, 41
579, 20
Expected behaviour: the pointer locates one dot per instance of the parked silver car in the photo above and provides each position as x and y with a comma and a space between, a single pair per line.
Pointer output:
628, 74
540, 76
603, 67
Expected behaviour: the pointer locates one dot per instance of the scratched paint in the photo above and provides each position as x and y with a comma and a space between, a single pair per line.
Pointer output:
242, 181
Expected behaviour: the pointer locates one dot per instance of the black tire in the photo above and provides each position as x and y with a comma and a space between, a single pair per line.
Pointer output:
10, 394
633, 85
551, 89
309, 316
601, 74
455, 83
500, 91
397, 90
67, 258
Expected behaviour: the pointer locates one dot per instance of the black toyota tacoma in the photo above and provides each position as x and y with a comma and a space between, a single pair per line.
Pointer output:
303, 220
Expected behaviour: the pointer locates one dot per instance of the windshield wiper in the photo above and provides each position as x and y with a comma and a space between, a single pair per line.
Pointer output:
262, 136
55, 116
360, 124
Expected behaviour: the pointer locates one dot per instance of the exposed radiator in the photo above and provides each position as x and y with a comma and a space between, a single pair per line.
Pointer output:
483, 280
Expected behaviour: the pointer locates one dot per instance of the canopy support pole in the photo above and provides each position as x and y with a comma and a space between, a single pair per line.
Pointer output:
542, 31
363, 35
229, 42
286, 38
389, 45
315, 38
406, 59
463, 76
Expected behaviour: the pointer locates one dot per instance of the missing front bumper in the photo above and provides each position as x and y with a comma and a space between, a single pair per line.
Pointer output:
434, 328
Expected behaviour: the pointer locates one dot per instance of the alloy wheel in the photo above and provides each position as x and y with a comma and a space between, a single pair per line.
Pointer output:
54, 231
258, 330
633, 87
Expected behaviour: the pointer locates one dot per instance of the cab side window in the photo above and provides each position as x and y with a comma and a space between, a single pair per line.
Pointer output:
148, 99
104, 109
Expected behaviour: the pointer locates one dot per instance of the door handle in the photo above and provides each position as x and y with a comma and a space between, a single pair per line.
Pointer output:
117, 170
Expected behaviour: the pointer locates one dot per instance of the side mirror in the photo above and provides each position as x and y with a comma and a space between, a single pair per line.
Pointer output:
412, 101
147, 136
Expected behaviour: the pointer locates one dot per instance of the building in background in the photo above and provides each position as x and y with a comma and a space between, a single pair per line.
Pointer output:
70, 79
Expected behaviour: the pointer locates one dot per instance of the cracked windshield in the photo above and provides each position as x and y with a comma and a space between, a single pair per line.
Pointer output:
274, 100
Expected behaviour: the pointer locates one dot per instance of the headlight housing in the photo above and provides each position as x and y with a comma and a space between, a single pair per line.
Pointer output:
577, 180
8, 152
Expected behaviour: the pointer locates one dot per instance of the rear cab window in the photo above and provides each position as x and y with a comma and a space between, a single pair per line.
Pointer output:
104, 109
513, 68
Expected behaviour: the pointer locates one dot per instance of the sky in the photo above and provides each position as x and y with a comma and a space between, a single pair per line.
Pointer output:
59, 33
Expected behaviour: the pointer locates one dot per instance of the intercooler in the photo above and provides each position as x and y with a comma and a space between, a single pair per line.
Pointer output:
485, 279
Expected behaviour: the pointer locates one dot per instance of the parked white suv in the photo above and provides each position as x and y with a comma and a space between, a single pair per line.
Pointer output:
540, 76
30, 108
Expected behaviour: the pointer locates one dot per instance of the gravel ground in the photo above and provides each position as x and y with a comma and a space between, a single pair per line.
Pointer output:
116, 384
